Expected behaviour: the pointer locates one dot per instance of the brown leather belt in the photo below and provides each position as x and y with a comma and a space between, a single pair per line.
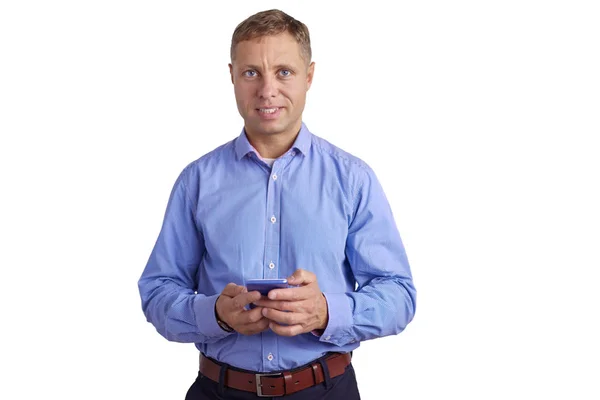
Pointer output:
277, 384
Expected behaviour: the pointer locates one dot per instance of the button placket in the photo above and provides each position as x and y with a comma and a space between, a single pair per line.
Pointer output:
271, 251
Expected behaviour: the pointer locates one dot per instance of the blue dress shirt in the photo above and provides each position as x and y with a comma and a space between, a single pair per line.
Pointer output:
231, 217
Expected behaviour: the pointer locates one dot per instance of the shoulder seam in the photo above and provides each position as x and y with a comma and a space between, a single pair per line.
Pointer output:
355, 161
353, 183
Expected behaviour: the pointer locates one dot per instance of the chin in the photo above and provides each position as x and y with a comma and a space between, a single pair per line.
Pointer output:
270, 131
268, 128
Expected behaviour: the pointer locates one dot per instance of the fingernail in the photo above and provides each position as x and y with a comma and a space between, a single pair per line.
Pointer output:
272, 295
264, 312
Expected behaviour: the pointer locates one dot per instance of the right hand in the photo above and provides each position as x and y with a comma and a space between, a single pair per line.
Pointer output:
231, 309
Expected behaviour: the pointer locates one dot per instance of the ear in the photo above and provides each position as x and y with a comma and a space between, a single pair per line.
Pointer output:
309, 75
231, 72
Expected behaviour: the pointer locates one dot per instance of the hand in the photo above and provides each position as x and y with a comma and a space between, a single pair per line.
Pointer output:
302, 309
231, 309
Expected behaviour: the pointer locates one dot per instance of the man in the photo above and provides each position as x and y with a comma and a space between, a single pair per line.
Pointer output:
277, 201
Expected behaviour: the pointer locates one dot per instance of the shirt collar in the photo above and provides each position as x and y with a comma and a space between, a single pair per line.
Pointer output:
302, 143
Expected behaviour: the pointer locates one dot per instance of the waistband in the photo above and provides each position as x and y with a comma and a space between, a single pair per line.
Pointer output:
277, 383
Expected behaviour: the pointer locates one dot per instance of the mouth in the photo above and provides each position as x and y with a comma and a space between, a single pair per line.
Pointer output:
270, 110
269, 113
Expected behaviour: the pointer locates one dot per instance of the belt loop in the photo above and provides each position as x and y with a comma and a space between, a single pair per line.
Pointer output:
222, 374
288, 384
326, 375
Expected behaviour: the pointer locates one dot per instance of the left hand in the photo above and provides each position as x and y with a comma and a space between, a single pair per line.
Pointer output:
302, 309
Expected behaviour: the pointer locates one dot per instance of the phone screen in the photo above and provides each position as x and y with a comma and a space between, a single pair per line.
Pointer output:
266, 285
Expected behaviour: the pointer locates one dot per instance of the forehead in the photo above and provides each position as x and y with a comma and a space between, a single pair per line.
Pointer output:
281, 48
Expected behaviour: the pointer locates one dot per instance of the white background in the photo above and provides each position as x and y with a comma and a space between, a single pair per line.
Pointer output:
480, 118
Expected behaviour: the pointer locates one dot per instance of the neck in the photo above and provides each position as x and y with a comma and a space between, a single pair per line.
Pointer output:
272, 146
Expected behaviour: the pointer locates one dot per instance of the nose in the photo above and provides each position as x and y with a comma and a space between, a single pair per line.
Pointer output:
268, 87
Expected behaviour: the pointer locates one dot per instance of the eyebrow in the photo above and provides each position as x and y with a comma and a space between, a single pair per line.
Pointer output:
278, 66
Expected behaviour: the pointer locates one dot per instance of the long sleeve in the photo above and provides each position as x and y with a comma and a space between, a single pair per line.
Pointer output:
231, 218
168, 284
385, 300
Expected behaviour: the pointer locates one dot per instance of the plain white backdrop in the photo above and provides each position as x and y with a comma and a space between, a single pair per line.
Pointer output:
480, 118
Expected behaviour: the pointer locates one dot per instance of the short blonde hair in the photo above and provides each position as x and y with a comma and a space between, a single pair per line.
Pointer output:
272, 22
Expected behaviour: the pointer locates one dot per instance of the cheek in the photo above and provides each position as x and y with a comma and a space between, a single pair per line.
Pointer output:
243, 94
299, 95
295, 93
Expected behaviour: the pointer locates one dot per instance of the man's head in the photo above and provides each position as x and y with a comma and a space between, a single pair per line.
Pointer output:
271, 71
271, 23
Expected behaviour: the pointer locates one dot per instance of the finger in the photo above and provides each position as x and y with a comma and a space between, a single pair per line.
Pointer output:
262, 302
295, 306
232, 290
240, 320
282, 317
302, 277
242, 300
289, 330
291, 294
260, 326
251, 317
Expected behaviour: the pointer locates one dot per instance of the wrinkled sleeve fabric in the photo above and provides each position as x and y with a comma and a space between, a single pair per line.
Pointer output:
384, 302
168, 283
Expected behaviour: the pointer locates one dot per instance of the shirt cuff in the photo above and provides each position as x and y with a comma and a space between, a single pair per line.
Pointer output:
204, 308
340, 319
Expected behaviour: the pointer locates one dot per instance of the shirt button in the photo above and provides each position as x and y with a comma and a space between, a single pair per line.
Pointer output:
293, 153
270, 357
328, 337
273, 219
274, 177
271, 265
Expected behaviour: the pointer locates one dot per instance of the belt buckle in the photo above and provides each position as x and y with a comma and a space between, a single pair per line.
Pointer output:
257, 378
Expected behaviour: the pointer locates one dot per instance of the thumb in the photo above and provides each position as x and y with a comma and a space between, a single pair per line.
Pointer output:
302, 277
232, 290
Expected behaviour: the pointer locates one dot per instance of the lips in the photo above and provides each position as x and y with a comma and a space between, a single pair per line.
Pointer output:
271, 113
268, 110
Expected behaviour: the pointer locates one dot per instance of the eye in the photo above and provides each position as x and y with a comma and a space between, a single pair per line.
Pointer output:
250, 73
285, 72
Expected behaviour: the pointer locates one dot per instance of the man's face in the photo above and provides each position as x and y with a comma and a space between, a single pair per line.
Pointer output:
270, 80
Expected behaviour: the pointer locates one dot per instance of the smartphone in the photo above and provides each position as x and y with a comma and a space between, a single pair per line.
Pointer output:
265, 285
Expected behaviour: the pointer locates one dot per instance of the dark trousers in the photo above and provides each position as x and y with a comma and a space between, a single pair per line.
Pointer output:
341, 387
